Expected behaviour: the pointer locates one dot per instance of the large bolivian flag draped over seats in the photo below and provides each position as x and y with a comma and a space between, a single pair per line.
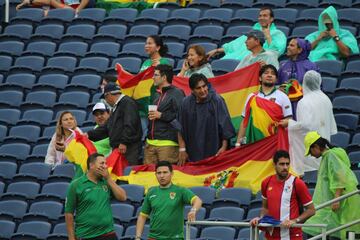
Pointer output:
243, 167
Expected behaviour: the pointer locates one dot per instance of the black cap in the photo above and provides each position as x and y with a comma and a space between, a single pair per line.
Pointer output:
112, 88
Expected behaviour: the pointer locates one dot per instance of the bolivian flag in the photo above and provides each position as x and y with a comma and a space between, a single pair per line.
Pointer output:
81, 147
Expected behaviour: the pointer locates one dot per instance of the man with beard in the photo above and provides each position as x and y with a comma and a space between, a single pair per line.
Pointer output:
274, 99
283, 195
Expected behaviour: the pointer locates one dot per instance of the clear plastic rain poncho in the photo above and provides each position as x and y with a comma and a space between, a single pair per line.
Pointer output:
314, 113
335, 173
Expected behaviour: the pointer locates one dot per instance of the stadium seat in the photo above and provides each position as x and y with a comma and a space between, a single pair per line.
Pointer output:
216, 16
349, 86
42, 48
13, 48
121, 16
213, 32
206, 194
130, 232
90, 16
351, 70
33, 172
347, 121
176, 50
23, 134
226, 65
193, 232
73, 99
14, 151
329, 85
51, 82
59, 232
303, 31
244, 234
353, 147
79, 32
27, 64
175, 33
105, 49
154, 16
11, 98
29, 230
169, 5
254, 212
7, 170
39, 99
111, 32
40, 150
60, 64
184, 16
349, 15
72, 49
59, 16
7, 229
302, 4
355, 158
122, 212
133, 49
9, 116
204, 4
119, 230
349, 104
200, 214
341, 139
63, 172
235, 4
84, 82
285, 16
335, 3
3, 132
330, 67
48, 32
93, 65
37, 116
208, 46
24, 190
242, 196
219, 233
245, 17
44, 211
270, 3
144, 30
5, 63
28, 16
80, 115
130, 64
135, 193
237, 31
13, 208
310, 177
17, 32
53, 191
229, 214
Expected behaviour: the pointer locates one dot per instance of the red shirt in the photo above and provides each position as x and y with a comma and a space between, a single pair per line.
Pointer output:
272, 190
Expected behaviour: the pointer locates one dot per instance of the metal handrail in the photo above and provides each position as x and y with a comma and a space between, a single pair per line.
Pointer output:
7, 7
247, 224
325, 204
337, 229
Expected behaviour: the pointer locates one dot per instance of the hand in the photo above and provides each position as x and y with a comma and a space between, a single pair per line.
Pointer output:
155, 62
24, 3
287, 223
335, 206
266, 31
122, 148
191, 216
262, 63
284, 123
237, 144
323, 34
59, 146
153, 115
183, 156
332, 33
255, 221
86, 135
103, 171
282, 88
211, 53
221, 150
185, 65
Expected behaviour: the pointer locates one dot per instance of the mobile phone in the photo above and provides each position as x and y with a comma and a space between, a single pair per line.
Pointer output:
329, 26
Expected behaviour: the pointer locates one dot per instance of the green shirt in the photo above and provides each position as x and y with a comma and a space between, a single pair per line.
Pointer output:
166, 209
91, 202
103, 146
148, 63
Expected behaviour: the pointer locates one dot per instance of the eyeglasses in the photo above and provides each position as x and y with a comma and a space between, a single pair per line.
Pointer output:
157, 75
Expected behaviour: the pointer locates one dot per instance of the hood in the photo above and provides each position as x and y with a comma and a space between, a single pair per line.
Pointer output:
311, 82
305, 45
331, 12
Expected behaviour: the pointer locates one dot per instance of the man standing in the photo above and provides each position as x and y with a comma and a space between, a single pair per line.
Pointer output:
274, 103
161, 142
89, 196
123, 127
254, 43
101, 115
275, 39
205, 122
283, 194
165, 206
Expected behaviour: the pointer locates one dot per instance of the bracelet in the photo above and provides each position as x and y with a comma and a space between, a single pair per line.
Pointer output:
193, 209
182, 149
237, 144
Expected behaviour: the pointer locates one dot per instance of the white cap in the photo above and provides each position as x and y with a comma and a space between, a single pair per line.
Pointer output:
99, 106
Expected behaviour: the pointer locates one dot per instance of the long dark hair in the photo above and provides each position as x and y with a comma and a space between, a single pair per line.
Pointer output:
159, 42
323, 143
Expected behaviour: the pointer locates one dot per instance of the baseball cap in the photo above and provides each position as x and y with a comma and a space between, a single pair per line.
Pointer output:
99, 107
112, 88
259, 35
309, 140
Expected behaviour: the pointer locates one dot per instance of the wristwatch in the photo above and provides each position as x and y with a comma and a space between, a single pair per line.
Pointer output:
336, 38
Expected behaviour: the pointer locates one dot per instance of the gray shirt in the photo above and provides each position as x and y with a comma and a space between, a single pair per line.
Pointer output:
268, 56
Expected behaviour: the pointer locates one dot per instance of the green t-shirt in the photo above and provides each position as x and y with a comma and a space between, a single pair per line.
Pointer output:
148, 63
165, 206
91, 202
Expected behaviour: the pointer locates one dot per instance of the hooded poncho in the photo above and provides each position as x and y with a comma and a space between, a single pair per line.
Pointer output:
327, 49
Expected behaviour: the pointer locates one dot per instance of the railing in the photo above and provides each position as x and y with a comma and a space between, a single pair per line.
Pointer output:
7, 9
254, 231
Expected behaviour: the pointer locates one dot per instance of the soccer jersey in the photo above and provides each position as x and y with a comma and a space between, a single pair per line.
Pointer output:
91, 201
282, 200
165, 207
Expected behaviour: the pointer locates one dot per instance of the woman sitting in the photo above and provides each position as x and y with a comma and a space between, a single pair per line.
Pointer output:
196, 62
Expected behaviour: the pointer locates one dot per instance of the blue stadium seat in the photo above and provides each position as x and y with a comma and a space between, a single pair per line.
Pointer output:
111, 32
330, 67
48, 32
204, 4
144, 30
90, 16
14, 151
75, 49
130, 64
121, 16
341, 139
24, 134
308, 17
79, 32
347, 104
310, 177
354, 147
7, 229
270, 3
18, 32
175, 33
184, 16
44, 211
5, 63
216, 16
63, 172
28, 16
214, 33
51, 82
352, 69
36, 171
28, 230
32, 63
285, 16
11, 98
133, 49
347, 121
169, 5
229, 214
40, 150
237, 31
207, 45
42, 48
349, 15
130, 232
122, 212
335, 3
7, 170
219, 233
60, 64
85, 82
9, 116
39, 99
53, 191
303, 31
226, 65
135, 193
80, 115
200, 214
354, 158
104, 49
176, 50
244, 234
242, 196
254, 212
235, 4
154, 16
59, 16
119, 230
206, 194
14, 208
96, 96
37, 116
329, 85
13, 48
302, 4
245, 17
3, 132
24, 190
92, 65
